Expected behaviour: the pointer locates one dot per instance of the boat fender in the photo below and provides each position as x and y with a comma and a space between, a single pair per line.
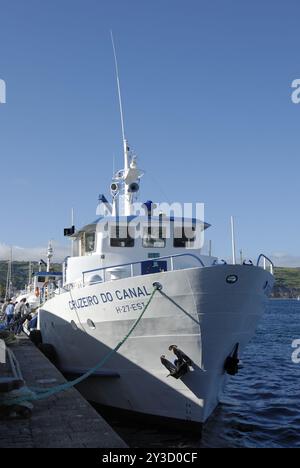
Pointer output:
231, 365
37, 291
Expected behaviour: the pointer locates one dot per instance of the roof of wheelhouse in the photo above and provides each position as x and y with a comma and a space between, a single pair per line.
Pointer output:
91, 227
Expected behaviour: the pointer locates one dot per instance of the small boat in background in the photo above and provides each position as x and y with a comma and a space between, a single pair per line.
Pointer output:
41, 283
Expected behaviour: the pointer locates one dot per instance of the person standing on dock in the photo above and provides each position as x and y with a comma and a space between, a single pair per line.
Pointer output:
7, 301
21, 310
9, 312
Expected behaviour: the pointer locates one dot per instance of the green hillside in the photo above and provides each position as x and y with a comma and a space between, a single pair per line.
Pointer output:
288, 277
287, 282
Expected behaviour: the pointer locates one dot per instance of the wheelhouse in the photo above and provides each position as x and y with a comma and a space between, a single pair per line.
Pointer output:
110, 241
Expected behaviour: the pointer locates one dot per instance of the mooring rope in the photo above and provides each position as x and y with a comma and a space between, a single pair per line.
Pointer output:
34, 394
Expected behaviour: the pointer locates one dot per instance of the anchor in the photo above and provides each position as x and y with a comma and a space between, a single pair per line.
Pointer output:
181, 364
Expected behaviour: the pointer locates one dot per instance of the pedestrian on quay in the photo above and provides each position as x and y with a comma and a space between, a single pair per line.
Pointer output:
21, 311
9, 312
5, 304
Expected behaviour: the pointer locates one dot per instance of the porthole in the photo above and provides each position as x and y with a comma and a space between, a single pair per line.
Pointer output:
73, 325
91, 324
266, 284
231, 279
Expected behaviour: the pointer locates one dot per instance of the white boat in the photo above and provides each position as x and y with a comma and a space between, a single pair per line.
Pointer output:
204, 315
204, 308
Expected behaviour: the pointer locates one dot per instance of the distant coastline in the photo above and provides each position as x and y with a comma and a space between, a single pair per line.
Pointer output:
287, 284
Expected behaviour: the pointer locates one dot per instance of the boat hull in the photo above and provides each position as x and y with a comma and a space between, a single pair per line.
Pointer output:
197, 310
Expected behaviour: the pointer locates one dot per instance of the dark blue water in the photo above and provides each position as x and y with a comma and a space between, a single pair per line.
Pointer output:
261, 405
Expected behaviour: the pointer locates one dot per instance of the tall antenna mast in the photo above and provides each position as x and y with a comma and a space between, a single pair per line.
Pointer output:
125, 183
233, 240
8, 290
125, 146
73, 229
49, 256
29, 273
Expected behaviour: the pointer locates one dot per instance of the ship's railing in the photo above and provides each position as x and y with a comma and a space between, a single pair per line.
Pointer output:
131, 265
50, 290
266, 261
131, 271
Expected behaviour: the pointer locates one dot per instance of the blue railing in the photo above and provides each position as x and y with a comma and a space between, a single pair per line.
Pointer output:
131, 265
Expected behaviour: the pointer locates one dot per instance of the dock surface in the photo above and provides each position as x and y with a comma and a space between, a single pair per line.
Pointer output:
64, 420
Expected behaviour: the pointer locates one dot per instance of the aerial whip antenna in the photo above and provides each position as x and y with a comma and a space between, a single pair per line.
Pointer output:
126, 155
125, 185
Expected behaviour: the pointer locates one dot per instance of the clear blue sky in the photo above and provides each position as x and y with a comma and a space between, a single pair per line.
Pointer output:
206, 89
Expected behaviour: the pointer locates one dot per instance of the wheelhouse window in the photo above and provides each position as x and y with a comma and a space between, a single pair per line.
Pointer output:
154, 237
90, 241
87, 243
120, 237
184, 236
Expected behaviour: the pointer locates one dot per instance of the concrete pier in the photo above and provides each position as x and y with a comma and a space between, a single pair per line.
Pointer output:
65, 420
